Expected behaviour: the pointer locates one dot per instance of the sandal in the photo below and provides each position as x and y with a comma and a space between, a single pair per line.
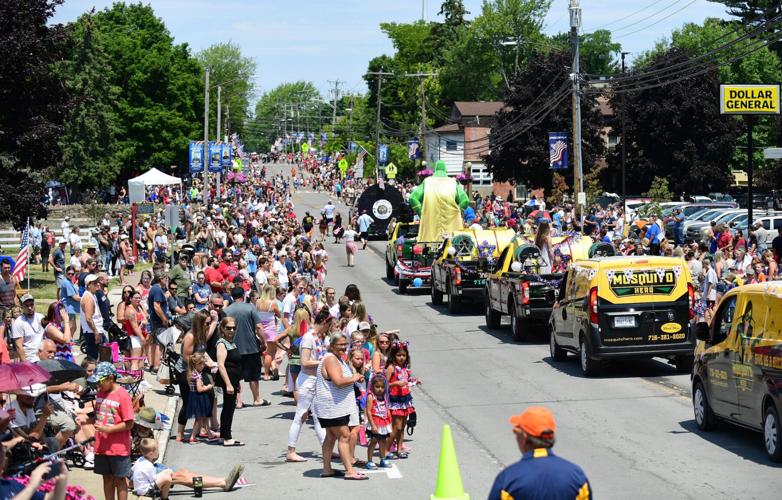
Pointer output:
335, 473
233, 443
357, 476
264, 402
401, 454
370, 466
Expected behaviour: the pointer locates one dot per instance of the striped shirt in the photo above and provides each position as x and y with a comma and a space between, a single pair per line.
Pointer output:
332, 401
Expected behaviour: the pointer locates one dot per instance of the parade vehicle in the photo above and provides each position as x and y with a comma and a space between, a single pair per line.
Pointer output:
624, 307
409, 261
737, 375
462, 264
516, 287
382, 202
400, 245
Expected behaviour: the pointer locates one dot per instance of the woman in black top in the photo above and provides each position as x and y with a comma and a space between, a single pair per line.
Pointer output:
229, 367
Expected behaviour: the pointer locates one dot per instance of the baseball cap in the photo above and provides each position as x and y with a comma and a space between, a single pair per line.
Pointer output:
61, 240
26, 297
536, 421
90, 278
103, 370
364, 326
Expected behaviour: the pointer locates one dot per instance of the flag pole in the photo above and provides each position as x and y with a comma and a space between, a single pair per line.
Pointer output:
28, 254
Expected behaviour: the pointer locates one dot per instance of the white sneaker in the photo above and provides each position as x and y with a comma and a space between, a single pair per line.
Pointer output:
88, 465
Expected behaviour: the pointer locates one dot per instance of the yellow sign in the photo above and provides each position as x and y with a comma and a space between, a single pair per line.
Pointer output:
671, 328
749, 99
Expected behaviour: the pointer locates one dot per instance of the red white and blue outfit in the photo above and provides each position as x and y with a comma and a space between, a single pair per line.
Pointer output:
400, 400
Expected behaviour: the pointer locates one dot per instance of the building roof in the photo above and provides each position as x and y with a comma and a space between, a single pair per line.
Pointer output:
478, 108
449, 127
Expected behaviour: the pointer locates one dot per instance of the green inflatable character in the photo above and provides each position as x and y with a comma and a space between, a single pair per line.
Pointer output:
439, 201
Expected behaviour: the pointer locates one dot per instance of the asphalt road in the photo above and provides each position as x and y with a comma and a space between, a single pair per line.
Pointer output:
631, 429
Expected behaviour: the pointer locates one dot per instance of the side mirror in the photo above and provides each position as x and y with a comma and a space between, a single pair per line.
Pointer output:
702, 331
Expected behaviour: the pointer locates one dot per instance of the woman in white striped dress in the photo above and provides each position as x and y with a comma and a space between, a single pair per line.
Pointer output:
334, 405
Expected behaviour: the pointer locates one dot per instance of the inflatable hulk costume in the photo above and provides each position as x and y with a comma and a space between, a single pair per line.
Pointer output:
438, 201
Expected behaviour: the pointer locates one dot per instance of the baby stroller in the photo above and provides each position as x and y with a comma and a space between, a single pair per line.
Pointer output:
171, 358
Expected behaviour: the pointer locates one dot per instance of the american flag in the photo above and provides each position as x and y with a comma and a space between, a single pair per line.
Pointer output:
20, 268
362, 153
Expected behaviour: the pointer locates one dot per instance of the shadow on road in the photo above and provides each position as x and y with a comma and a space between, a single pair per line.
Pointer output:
741, 442
633, 368
504, 335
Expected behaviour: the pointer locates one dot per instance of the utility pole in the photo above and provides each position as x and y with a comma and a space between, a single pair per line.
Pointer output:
205, 197
624, 175
423, 10
218, 138
422, 76
336, 83
380, 75
226, 126
578, 175
350, 125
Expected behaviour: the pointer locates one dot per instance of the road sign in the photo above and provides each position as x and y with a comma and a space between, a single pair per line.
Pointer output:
172, 216
772, 153
749, 99
582, 198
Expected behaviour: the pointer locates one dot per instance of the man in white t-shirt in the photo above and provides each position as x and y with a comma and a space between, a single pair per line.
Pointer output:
290, 301
281, 270
75, 240
709, 291
27, 331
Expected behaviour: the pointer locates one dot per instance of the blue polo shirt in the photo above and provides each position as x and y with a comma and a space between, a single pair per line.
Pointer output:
541, 475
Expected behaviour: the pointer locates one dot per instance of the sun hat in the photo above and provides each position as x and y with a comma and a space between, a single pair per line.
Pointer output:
536, 421
364, 326
149, 418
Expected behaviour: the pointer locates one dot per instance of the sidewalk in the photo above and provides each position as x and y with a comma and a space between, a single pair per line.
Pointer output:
155, 397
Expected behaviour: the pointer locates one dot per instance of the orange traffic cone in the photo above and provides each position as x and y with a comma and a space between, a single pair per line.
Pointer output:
449, 479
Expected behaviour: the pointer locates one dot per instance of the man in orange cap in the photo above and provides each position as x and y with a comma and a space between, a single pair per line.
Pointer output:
539, 473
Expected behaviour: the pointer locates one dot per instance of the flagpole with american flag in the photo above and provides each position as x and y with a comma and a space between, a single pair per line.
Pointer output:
20, 267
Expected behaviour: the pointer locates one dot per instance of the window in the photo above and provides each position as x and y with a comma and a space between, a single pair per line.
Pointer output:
723, 320
613, 140
563, 287
778, 225
450, 145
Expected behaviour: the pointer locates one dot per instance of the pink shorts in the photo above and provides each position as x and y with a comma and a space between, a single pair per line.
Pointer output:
351, 247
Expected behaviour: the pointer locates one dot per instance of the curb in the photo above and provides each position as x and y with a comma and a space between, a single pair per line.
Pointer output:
165, 434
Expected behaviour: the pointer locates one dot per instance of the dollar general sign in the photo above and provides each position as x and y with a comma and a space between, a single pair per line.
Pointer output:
749, 99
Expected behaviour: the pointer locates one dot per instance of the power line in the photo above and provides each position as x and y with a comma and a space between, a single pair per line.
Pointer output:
656, 22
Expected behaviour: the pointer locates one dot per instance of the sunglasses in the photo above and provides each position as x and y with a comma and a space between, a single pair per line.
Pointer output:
230, 328
217, 306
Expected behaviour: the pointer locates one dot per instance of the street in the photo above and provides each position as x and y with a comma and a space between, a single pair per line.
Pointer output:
631, 428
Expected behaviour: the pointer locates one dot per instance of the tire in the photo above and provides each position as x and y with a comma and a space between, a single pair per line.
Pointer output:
557, 353
704, 417
454, 301
437, 295
78, 460
589, 365
518, 327
403, 286
772, 433
683, 364
492, 316
389, 271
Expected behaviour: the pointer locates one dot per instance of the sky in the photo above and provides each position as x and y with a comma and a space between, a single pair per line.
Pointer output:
329, 40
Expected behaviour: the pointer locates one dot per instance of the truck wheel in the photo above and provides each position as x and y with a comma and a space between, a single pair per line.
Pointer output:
454, 301
683, 364
772, 433
518, 326
389, 271
403, 286
557, 353
492, 316
704, 417
437, 295
589, 365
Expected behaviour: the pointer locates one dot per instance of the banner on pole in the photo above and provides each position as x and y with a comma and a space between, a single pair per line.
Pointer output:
382, 154
215, 152
557, 147
226, 155
353, 147
413, 148
195, 157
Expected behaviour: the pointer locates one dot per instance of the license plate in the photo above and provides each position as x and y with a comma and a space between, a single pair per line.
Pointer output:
624, 322
480, 282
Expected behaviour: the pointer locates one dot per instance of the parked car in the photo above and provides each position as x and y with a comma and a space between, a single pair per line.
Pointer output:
737, 374
696, 231
690, 210
772, 221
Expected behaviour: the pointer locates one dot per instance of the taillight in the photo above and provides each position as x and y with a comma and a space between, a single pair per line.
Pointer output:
524, 293
457, 276
399, 249
593, 306
691, 293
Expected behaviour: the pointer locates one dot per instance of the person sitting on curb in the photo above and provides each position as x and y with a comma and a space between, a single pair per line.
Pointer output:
151, 479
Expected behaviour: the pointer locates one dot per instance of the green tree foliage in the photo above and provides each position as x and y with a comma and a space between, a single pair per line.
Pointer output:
235, 74
161, 104
598, 53
659, 190
33, 105
280, 104
88, 143
519, 140
478, 66
675, 131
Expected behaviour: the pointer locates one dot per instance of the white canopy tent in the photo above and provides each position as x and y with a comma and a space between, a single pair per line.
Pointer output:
153, 177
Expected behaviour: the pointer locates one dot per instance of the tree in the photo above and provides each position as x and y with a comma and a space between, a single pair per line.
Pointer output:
280, 104
592, 183
33, 105
559, 189
160, 108
235, 75
537, 103
88, 142
675, 131
598, 53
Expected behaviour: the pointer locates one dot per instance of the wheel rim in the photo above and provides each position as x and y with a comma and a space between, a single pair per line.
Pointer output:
770, 433
552, 344
583, 356
698, 405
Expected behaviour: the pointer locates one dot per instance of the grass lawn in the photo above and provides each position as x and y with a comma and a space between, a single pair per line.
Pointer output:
44, 289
